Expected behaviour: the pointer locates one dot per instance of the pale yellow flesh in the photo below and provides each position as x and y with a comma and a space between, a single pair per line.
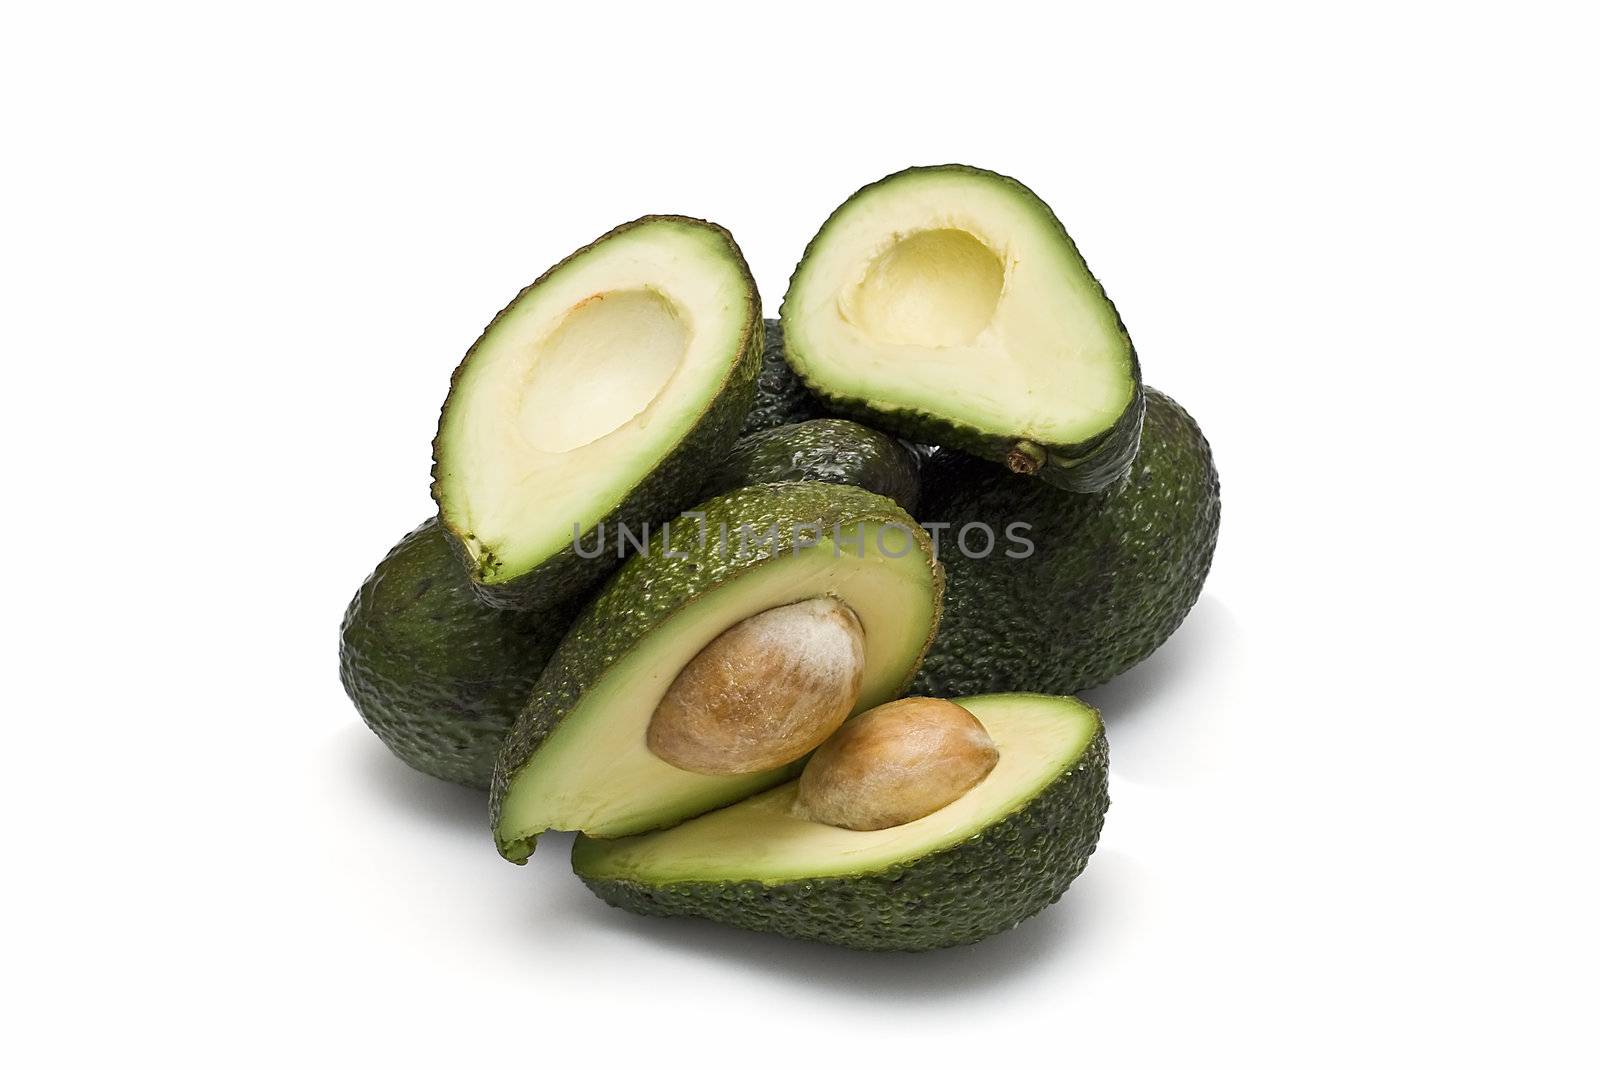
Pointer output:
584, 385
949, 284
766, 838
596, 772
610, 358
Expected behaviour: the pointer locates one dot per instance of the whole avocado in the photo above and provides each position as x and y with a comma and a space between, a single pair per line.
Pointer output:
781, 398
437, 674
1110, 575
828, 451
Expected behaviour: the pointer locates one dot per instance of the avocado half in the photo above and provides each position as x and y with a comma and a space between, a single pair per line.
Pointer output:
577, 759
949, 305
829, 450
438, 675
599, 395
978, 866
1102, 581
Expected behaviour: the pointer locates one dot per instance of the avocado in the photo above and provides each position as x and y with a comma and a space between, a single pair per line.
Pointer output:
977, 866
948, 305
437, 674
781, 398
1110, 575
600, 395
578, 758
829, 450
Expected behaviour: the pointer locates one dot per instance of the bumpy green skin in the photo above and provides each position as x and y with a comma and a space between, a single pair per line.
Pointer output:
652, 587
661, 492
434, 672
832, 451
1090, 465
781, 397
1010, 871
1111, 577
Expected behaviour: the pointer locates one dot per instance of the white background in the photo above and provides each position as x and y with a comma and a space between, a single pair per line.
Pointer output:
1353, 818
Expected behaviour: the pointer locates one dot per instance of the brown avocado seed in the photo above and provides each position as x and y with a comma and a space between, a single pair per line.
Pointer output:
763, 693
896, 763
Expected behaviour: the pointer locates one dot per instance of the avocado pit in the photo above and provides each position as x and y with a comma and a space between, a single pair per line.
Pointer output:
896, 763
764, 692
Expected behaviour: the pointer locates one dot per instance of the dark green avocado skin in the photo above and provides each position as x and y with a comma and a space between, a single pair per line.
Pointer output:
829, 451
438, 675
983, 886
781, 397
1112, 574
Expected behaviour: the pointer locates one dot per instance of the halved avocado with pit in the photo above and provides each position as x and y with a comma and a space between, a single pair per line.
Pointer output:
599, 395
578, 757
948, 304
996, 855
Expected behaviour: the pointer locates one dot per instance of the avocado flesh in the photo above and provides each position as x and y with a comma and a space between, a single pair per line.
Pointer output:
599, 395
1111, 575
997, 855
829, 450
577, 757
949, 305
438, 675
781, 397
